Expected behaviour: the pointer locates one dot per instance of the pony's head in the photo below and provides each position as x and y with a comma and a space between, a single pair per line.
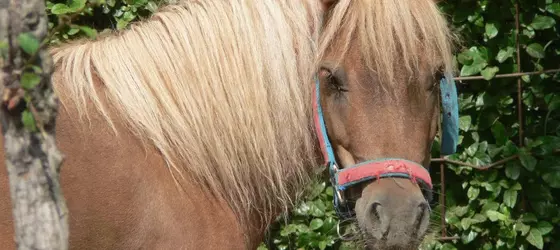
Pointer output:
377, 112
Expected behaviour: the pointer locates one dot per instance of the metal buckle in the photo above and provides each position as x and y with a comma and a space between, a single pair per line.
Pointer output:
338, 193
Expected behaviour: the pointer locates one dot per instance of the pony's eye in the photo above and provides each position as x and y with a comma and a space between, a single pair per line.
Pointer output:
332, 81
438, 75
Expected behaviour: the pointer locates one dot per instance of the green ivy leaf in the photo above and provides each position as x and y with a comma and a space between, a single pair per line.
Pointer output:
316, 224
129, 16
491, 30
554, 103
460, 210
526, 78
499, 133
527, 160
513, 169
3, 49
545, 227
329, 191
510, 198
469, 70
29, 80
522, 227
471, 150
121, 24
542, 22
76, 5
465, 123
482, 159
318, 208
489, 206
552, 179
28, 43
28, 121
448, 246
495, 216
528, 218
466, 223
151, 6
465, 58
479, 61
504, 54
516, 186
535, 238
535, 50
473, 193
494, 150
316, 190
553, 8
323, 245
510, 148
468, 237
91, 33
60, 8
478, 218
482, 147
489, 72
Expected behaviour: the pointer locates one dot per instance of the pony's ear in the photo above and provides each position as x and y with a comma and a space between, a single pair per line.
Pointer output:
327, 4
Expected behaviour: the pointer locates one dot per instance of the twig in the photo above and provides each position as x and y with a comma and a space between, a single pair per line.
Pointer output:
483, 167
519, 83
519, 74
442, 201
448, 238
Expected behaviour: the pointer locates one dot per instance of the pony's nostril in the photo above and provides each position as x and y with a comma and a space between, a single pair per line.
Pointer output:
375, 210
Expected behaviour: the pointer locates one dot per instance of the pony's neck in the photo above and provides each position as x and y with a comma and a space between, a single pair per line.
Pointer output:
224, 95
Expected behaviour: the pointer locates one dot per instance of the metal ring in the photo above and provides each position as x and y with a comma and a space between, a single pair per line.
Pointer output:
344, 237
335, 168
338, 193
341, 200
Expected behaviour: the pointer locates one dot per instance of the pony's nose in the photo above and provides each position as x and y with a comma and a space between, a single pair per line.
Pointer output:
376, 210
384, 215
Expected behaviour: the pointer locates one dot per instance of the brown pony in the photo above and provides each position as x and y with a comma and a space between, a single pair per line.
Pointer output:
194, 129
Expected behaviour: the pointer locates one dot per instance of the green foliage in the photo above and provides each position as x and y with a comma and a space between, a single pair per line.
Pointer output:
514, 205
29, 80
312, 224
28, 43
511, 206
28, 121
92, 16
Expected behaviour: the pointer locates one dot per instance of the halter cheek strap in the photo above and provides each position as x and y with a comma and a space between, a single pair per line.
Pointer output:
341, 179
450, 121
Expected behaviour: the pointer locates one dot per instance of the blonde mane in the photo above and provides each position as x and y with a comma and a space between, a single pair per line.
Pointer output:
221, 88
392, 35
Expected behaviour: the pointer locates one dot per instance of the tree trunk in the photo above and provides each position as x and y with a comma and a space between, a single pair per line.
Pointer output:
28, 114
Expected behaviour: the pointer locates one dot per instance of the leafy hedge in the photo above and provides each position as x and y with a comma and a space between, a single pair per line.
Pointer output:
511, 206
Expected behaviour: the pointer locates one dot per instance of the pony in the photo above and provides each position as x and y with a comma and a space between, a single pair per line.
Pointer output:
195, 128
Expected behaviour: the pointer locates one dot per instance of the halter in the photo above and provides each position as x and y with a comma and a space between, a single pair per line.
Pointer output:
341, 179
